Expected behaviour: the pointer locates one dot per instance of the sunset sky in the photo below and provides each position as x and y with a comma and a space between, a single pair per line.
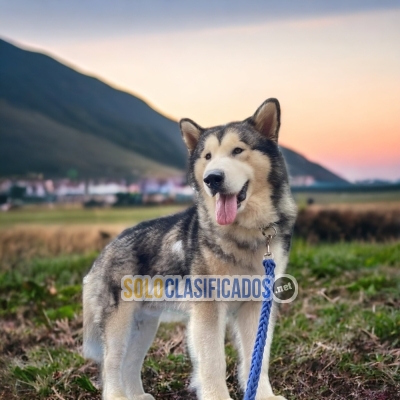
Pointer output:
334, 65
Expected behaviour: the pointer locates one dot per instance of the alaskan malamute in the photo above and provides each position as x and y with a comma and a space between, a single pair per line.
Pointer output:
241, 186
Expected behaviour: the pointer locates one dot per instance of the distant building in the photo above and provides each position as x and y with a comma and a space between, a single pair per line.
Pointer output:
302, 180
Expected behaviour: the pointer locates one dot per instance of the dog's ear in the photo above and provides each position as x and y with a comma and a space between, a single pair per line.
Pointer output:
190, 133
267, 119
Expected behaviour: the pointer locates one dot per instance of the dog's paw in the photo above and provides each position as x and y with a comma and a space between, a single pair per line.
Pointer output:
275, 398
144, 396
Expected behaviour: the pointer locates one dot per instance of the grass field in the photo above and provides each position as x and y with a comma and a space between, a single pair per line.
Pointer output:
45, 215
348, 198
76, 215
339, 339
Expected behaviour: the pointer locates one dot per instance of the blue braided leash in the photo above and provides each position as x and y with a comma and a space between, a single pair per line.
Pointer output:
261, 338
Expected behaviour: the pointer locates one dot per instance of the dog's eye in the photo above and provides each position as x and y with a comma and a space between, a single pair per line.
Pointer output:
237, 150
208, 156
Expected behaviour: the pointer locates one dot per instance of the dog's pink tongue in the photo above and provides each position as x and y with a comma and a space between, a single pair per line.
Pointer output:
226, 209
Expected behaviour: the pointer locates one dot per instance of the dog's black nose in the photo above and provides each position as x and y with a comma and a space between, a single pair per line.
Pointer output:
214, 179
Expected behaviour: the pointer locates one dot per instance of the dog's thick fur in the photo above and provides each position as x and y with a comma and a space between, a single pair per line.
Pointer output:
117, 334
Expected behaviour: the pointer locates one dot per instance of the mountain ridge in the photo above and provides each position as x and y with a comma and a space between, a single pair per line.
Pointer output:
36, 82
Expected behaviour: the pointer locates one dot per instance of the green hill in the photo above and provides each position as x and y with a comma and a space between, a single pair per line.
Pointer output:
32, 142
41, 90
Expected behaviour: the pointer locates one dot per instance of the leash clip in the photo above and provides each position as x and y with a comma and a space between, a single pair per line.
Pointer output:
269, 237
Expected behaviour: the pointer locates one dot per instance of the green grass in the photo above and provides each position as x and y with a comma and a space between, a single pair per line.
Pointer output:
339, 339
347, 198
73, 216
48, 369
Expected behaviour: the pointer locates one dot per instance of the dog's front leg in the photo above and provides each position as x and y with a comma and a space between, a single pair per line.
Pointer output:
206, 334
246, 325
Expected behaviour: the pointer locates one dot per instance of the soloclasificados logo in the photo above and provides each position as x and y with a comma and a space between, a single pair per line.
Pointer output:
283, 289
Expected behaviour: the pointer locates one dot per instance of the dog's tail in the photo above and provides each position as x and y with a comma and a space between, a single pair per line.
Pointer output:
92, 334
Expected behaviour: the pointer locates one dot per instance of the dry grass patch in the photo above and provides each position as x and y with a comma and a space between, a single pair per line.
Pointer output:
348, 223
23, 243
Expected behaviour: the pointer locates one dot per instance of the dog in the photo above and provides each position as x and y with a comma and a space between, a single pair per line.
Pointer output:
241, 185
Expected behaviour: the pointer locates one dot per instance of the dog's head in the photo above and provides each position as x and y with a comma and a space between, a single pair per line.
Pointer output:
237, 169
